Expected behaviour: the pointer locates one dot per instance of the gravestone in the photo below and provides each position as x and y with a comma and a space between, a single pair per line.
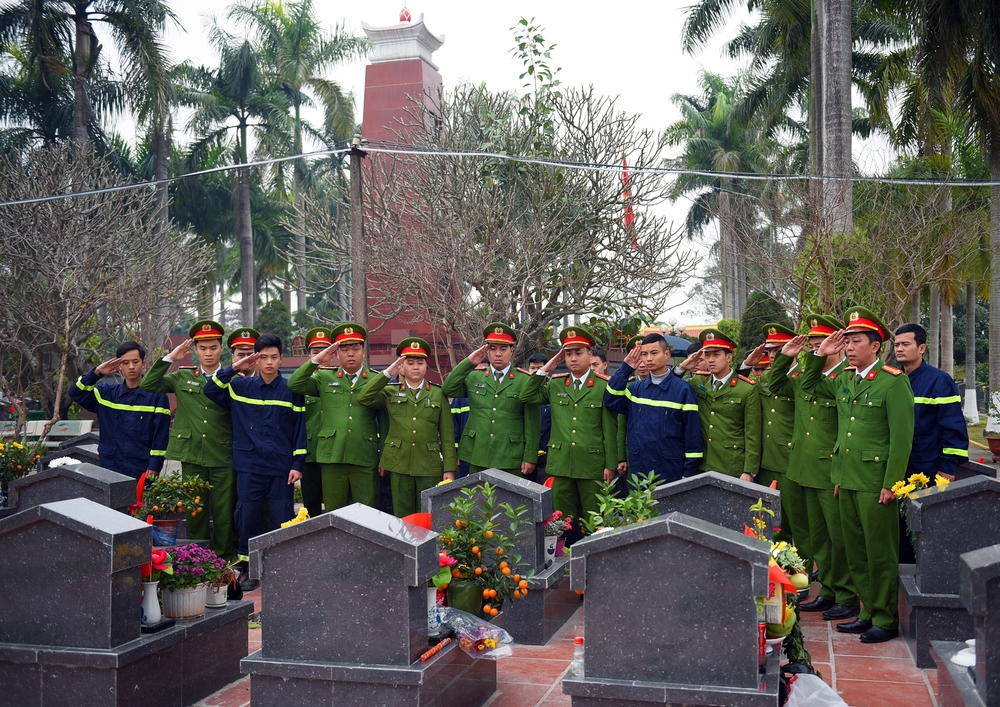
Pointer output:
970, 468
535, 618
672, 616
61, 483
946, 523
719, 499
87, 438
83, 453
70, 617
345, 600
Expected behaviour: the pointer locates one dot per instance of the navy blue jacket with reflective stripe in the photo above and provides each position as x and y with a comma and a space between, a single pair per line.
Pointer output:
940, 437
269, 422
134, 424
664, 433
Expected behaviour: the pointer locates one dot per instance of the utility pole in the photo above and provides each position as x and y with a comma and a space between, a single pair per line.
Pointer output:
359, 280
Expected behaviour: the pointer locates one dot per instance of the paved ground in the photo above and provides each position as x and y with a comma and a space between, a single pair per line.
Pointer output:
881, 675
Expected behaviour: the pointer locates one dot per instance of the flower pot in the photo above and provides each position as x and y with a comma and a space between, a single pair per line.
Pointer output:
184, 603
164, 532
215, 597
994, 443
465, 595
150, 609
550, 548
559, 547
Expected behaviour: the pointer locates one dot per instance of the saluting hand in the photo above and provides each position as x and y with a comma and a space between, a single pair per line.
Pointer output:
754, 357
247, 364
181, 351
692, 362
794, 347
325, 357
634, 357
395, 368
553, 362
109, 366
479, 355
833, 344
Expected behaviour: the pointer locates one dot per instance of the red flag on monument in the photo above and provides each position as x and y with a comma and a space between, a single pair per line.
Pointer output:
627, 198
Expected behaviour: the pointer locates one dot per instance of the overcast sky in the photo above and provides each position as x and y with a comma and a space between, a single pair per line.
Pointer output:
630, 50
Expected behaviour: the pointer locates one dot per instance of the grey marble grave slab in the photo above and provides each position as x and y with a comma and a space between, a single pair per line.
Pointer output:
960, 518
69, 575
956, 684
971, 469
83, 453
536, 498
924, 618
717, 498
93, 437
347, 586
980, 591
651, 621
62, 483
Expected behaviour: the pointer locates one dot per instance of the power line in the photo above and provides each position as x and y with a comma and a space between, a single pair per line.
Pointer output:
400, 149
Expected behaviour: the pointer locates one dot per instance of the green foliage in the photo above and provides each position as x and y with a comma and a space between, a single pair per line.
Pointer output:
275, 319
615, 512
761, 309
169, 494
17, 459
305, 320
731, 328
483, 537
540, 79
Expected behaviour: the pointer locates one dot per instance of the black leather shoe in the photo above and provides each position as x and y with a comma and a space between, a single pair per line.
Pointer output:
877, 634
248, 585
814, 576
817, 604
856, 626
839, 612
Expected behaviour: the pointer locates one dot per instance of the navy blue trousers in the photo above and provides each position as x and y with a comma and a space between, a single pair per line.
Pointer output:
255, 491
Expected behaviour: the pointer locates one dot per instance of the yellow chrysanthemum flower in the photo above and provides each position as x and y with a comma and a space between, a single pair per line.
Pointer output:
920, 478
906, 490
941, 482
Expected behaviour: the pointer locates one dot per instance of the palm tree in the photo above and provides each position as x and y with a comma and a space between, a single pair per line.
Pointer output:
298, 52
237, 92
715, 139
52, 30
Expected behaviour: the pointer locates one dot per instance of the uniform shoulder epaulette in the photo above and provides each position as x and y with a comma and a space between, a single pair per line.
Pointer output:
436, 385
890, 369
481, 367
702, 373
559, 375
851, 368
751, 381
602, 376
187, 368
527, 373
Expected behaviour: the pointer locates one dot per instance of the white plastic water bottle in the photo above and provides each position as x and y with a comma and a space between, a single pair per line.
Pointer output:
576, 665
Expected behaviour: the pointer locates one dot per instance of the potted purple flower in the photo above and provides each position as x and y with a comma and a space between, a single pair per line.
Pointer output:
184, 593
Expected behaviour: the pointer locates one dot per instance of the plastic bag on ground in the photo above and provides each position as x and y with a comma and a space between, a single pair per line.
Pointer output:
478, 638
810, 691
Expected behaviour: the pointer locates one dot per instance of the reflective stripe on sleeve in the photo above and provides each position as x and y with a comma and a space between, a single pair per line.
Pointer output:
694, 455
128, 408
660, 403
157, 452
937, 401
298, 452
956, 452
614, 391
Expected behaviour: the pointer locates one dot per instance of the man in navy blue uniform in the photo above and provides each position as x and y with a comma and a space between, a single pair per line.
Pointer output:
664, 432
134, 424
940, 437
459, 418
269, 436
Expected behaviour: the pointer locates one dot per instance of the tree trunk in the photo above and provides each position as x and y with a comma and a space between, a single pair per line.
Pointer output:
359, 278
286, 295
915, 308
726, 259
934, 333
970, 336
244, 236
87, 50
815, 113
993, 424
948, 338
159, 327
835, 114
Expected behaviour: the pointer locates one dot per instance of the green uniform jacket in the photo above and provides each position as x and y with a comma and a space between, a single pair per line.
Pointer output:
202, 432
777, 413
421, 437
875, 423
584, 439
346, 432
502, 431
811, 460
730, 424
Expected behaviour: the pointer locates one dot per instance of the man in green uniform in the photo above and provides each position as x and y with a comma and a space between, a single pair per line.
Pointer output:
777, 408
241, 342
810, 464
874, 439
317, 339
728, 408
346, 433
583, 445
419, 449
201, 437
502, 432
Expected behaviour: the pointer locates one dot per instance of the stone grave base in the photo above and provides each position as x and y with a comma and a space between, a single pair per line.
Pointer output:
172, 668
929, 617
449, 679
956, 685
604, 692
537, 617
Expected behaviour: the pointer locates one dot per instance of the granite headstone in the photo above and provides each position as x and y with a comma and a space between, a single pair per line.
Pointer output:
671, 616
980, 590
61, 483
83, 453
717, 498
